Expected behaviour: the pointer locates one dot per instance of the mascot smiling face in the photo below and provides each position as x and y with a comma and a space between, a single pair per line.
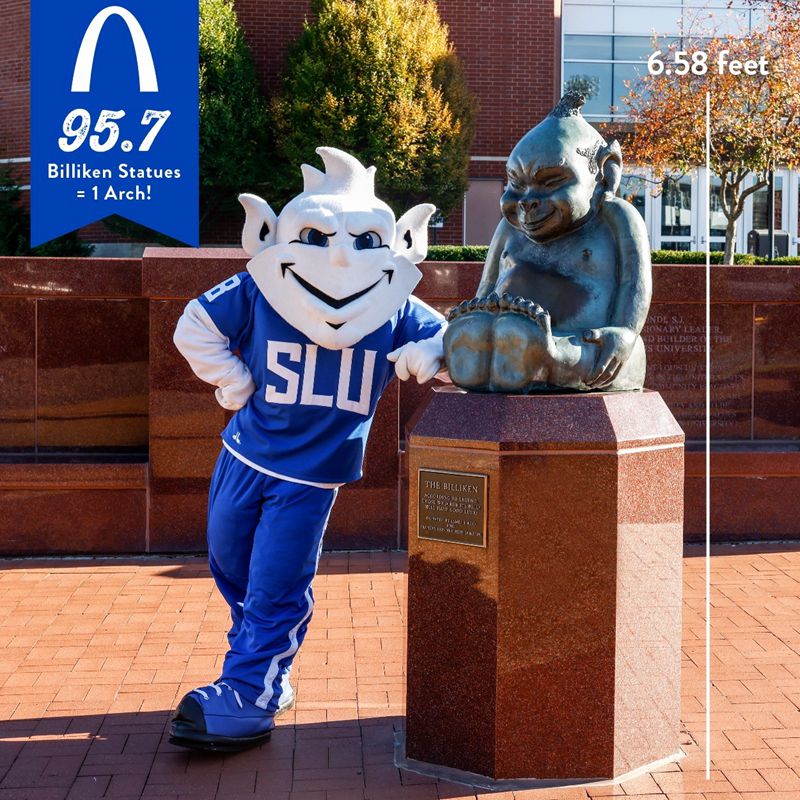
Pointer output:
335, 264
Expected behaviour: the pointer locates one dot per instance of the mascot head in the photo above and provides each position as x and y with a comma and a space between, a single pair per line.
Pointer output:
335, 264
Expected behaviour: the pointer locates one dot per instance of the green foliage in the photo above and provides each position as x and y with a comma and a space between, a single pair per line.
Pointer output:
784, 261
684, 257
67, 246
15, 227
135, 232
457, 252
233, 113
379, 79
699, 257
449, 252
233, 122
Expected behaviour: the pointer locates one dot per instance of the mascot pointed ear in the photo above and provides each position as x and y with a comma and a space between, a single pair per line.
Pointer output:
259, 227
411, 233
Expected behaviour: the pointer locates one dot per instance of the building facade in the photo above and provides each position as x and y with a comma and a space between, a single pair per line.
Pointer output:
518, 55
606, 43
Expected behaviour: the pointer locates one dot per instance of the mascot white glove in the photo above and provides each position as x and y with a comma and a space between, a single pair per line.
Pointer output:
235, 395
423, 359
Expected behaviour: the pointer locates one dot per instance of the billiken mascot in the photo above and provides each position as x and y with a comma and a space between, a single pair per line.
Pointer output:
319, 316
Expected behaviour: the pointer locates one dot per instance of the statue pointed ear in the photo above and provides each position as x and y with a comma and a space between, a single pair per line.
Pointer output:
411, 233
609, 165
259, 226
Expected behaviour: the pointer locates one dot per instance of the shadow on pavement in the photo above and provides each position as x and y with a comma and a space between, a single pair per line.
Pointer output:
127, 755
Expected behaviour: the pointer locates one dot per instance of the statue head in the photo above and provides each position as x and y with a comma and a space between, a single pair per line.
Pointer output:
335, 264
559, 173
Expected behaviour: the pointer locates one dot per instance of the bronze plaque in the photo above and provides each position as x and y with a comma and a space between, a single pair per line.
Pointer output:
451, 507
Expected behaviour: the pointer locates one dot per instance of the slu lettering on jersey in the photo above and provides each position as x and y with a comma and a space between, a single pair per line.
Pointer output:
305, 356
313, 407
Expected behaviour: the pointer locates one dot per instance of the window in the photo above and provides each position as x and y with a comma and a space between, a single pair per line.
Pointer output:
594, 82
717, 222
760, 218
599, 66
676, 208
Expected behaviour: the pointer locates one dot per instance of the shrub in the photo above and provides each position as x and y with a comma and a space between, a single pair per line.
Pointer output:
233, 112
455, 252
233, 122
450, 252
379, 79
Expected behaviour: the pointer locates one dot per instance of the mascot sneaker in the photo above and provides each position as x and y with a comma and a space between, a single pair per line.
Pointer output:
217, 718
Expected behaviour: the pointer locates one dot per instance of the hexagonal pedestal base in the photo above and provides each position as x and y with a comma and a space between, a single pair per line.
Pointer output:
552, 652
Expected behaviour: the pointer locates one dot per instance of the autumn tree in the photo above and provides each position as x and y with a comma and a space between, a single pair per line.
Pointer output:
379, 79
755, 119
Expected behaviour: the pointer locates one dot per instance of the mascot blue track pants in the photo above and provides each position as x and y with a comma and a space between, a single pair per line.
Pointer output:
264, 541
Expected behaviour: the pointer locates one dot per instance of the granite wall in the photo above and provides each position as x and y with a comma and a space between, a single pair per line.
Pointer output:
107, 438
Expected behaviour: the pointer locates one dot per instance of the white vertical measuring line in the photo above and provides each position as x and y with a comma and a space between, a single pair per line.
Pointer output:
708, 435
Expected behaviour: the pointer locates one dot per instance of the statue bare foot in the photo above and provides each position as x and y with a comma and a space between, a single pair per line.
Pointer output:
468, 344
499, 344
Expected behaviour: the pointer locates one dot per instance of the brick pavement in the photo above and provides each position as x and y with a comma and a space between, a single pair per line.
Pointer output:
94, 655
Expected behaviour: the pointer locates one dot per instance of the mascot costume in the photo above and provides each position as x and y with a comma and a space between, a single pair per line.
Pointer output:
317, 319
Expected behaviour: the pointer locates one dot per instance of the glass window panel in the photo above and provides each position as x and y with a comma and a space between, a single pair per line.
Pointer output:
634, 48
589, 19
666, 245
724, 21
594, 82
676, 207
760, 219
637, 19
759, 19
591, 47
733, 4
717, 221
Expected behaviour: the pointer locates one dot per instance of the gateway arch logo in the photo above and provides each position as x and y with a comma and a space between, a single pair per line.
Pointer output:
99, 142
82, 76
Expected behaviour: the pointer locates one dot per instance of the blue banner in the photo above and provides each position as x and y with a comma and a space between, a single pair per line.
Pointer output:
114, 115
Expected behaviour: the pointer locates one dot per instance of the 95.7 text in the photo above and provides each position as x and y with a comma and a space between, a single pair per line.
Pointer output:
106, 131
698, 63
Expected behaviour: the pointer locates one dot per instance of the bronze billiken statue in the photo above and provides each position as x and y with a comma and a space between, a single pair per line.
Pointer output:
567, 282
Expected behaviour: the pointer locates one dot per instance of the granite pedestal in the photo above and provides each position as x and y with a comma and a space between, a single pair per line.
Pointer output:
552, 650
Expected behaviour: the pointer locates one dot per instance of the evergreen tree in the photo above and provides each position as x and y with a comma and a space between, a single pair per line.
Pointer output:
233, 121
233, 112
379, 79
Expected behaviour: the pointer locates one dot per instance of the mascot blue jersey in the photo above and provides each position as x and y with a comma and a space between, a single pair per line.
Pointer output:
311, 412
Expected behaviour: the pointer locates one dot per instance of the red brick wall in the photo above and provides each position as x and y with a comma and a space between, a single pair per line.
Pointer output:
270, 26
507, 48
15, 76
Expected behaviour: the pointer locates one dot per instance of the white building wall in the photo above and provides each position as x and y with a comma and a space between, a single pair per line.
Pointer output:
606, 42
